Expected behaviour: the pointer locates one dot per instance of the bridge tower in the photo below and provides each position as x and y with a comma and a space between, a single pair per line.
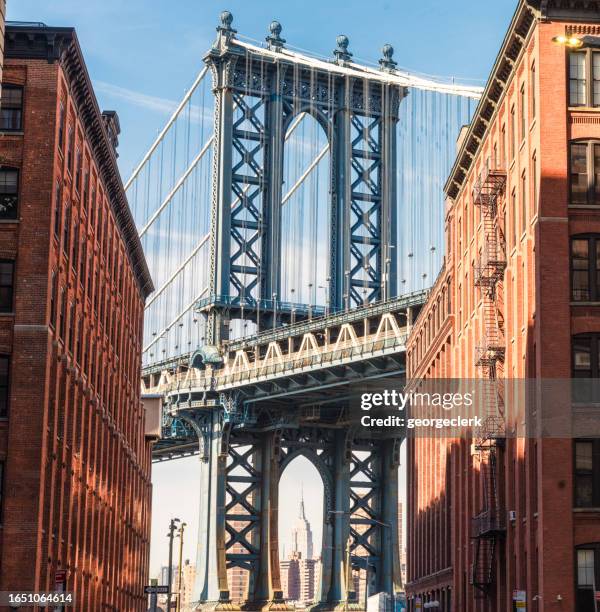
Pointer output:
244, 447
258, 95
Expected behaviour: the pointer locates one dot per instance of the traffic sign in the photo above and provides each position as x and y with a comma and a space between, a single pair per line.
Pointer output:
160, 589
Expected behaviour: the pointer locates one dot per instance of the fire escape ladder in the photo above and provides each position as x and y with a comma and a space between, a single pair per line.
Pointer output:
488, 526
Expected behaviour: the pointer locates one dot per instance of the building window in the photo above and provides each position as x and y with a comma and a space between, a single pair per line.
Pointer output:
585, 368
523, 111
83, 257
534, 185
585, 268
586, 488
503, 145
587, 559
63, 315
53, 298
9, 192
61, 127
533, 91
7, 270
57, 208
70, 151
86, 189
72, 326
577, 80
78, 171
74, 258
585, 173
4, 384
523, 202
67, 231
11, 108
584, 78
513, 214
1, 489
513, 132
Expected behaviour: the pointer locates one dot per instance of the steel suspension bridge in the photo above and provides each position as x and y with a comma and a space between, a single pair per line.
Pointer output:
292, 217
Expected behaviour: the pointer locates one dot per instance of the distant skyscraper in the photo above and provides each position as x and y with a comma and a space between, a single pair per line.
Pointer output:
300, 572
302, 541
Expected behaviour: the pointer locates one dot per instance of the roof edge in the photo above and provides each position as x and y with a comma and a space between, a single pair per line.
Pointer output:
60, 44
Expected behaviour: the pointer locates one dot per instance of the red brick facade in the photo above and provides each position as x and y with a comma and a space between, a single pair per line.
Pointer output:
522, 130
76, 465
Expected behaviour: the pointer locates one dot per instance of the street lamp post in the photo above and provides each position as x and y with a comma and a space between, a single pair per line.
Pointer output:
180, 568
368, 564
171, 535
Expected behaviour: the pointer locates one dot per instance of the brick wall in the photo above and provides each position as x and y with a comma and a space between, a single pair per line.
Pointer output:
76, 490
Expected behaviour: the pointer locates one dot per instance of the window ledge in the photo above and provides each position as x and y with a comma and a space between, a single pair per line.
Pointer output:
12, 133
583, 109
582, 510
584, 303
7, 314
10, 221
585, 206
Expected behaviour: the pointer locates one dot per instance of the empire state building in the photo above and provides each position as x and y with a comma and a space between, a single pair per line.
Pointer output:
302, 539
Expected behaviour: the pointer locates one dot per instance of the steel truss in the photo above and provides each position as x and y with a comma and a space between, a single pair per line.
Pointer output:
240, 470
255, 102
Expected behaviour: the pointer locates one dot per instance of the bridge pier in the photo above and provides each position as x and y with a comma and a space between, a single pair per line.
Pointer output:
210, 586
264, 592
240, 465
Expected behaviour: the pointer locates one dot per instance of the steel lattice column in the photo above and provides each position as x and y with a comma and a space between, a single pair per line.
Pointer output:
335, 580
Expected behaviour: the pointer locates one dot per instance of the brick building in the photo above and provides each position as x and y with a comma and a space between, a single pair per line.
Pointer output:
518, 297
73, 279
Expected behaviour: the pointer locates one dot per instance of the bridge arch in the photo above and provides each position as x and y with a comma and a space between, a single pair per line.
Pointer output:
306, 208
298, 512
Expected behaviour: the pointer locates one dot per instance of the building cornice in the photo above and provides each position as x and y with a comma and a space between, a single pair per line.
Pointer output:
39, 42
513, 44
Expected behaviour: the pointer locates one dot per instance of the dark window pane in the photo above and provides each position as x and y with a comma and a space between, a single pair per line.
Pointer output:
582, 363
11, 108
577, 79
4, 378
9, 184
580, 270
584, 491
596, 79
596, 174
584, 456
579, 179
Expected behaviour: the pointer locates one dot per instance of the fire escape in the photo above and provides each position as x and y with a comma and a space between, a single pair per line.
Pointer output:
488, 526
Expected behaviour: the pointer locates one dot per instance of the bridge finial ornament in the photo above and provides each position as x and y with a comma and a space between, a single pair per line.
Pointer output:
341, 53
387, 62
274, 40
226, 32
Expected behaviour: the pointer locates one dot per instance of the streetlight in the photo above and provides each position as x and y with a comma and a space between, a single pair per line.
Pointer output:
368, 563
170, 535
180, 569
578, 42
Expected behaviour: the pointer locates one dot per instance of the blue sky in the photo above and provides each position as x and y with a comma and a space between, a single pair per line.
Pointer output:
143, 54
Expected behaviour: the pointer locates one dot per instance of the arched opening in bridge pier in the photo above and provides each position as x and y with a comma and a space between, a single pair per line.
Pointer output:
300, 530
305, 224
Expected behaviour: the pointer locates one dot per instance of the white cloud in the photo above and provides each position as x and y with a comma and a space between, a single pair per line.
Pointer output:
136, 98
